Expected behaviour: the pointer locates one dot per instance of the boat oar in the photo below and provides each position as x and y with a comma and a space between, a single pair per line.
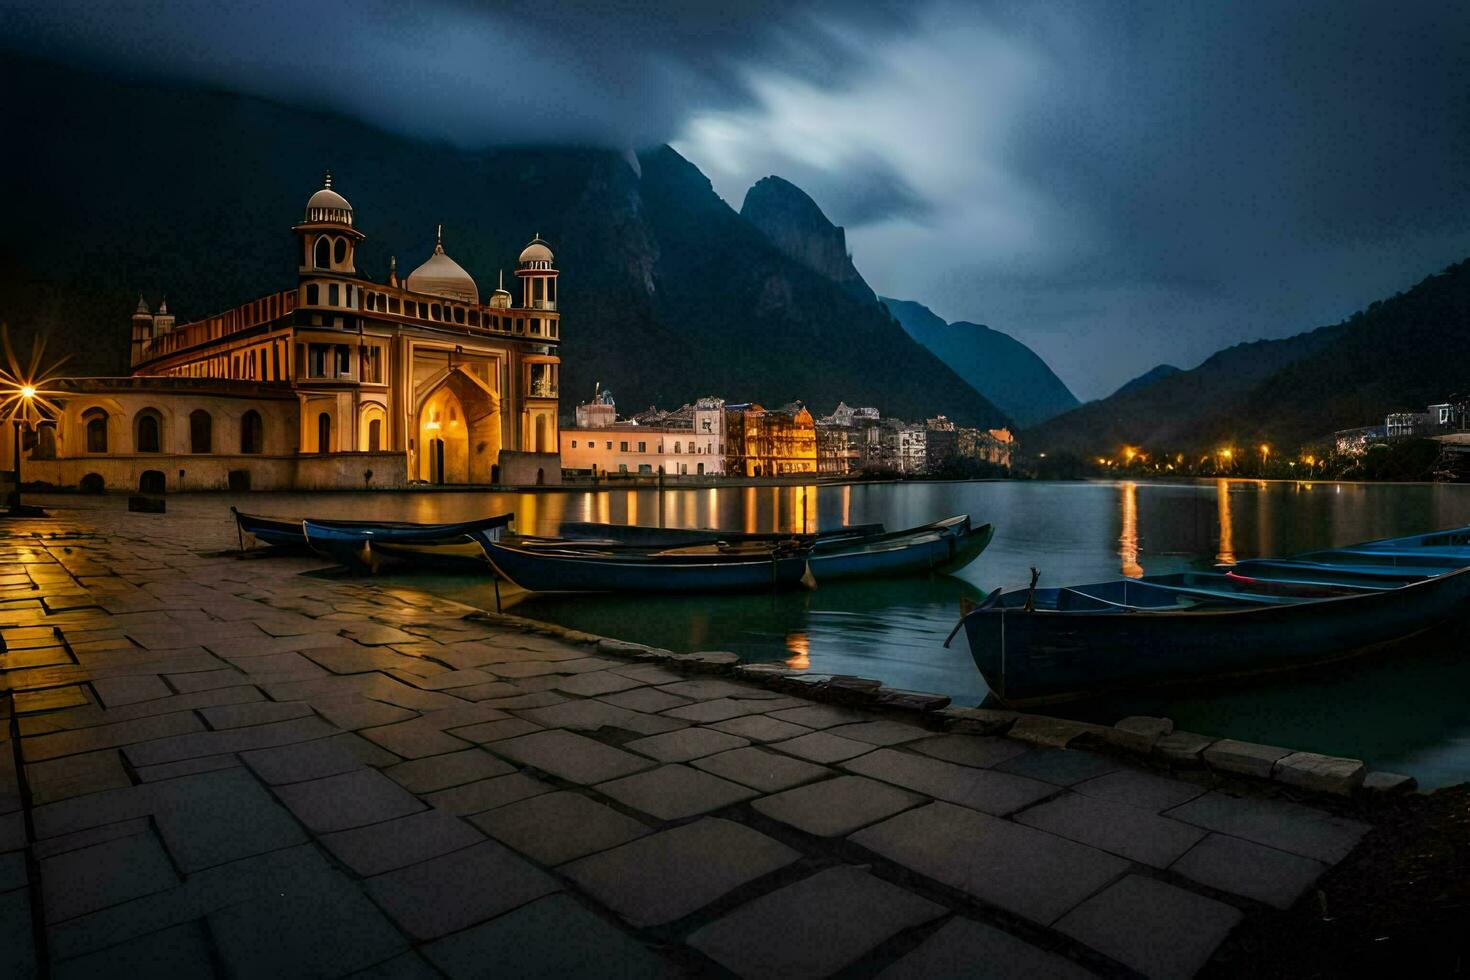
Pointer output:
966, 606
1031, 591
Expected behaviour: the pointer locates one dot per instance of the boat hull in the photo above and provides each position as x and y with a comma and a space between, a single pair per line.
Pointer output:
1046, 655
919, 552
592, 572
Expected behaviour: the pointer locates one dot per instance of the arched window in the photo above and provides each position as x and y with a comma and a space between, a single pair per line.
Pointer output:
375, 435
252, 433
148, 432
339, 251
201, 431
96, 420
322, 257
324, 433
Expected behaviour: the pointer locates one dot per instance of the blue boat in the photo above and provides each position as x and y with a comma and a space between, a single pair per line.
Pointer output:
360, 545
640, 536
1035, 646
288, 532
944, 546
703, 568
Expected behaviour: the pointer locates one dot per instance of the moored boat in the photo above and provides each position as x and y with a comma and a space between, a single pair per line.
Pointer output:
361, 545
291, 532
1043, 645
944, 546
703, 568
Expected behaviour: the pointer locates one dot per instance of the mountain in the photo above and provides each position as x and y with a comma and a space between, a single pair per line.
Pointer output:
1006, 370
796, 226
1156, 373
666, 293
1400, 354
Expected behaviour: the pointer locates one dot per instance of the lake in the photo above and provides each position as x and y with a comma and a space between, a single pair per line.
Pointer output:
1406, 712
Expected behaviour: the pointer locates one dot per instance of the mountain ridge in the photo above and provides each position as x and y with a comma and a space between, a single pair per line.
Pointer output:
992, 361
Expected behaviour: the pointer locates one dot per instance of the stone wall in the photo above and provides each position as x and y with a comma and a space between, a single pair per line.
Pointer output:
185, 471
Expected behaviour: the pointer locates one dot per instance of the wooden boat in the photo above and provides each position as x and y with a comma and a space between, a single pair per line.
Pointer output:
944, 546
291, 533
360, 545
1042, 645
702, 568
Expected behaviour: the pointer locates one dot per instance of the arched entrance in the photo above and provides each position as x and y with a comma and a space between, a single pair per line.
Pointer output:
458, 433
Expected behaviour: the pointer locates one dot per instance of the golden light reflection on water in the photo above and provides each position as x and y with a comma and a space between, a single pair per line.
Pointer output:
1128, 540
799, 646
604, 508
1226, 554
632, 507
748, 500
847, 505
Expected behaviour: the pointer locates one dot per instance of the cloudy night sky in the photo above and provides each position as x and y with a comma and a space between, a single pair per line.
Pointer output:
1115, 184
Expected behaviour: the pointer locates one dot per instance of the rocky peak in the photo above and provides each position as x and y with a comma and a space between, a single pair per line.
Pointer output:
786, 215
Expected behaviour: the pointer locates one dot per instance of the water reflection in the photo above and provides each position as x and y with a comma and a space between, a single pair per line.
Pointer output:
1226, 553
801, 651
1128, 540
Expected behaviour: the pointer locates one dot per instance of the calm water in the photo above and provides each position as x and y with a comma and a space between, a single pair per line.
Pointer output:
1408, 712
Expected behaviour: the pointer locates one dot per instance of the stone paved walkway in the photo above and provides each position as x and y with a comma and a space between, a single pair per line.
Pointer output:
219, 766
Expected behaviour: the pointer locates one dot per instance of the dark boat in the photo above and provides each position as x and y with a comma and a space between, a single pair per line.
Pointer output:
360, 544
291, 532
1042, 645
709, 568
944, 546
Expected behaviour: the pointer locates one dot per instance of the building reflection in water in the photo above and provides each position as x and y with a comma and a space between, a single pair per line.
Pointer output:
799, 646
847, 505
1226, 554
632, 507
1128, 540
750, 510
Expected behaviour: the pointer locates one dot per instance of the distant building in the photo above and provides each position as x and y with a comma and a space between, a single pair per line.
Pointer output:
1402, 425
769, 442
990, 445
689, 441
845, 415
840, 448
942, 443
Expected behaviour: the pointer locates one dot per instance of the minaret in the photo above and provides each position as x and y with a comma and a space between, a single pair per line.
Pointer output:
163, 321
142, 331
500, 299
538, 276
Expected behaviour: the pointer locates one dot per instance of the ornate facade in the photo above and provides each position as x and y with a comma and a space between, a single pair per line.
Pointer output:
337, 380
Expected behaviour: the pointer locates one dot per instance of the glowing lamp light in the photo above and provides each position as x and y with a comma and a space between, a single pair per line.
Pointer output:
28, 391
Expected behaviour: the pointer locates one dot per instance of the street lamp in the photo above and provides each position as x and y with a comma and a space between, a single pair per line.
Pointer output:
23, 401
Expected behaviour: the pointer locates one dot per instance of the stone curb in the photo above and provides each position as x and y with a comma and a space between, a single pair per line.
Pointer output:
1154, 738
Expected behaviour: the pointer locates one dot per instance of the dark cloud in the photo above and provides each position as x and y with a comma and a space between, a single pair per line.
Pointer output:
1117, 184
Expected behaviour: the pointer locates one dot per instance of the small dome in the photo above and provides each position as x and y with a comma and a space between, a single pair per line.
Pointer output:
501, 297
537, 254
442, 276
327, 205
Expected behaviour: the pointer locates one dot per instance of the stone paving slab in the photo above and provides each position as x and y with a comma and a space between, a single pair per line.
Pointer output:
761, 728
966, 948
1139, 789
486, 794
1127, 831
302, 761
765, 771
1152, 927
551, 938
668, 875
1255, 871
673, 792
1275, 823
92, 878
814, 927
977, 751
457, 890
982, 789
443, 771
558, 827
398, 843
685, 744
836, 807
1026, 872
350, 799
822, 747
570, 756
1064, 768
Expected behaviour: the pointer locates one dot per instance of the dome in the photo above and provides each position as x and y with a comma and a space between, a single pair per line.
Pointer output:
327, 205
501, 297
537, 252
442, 276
